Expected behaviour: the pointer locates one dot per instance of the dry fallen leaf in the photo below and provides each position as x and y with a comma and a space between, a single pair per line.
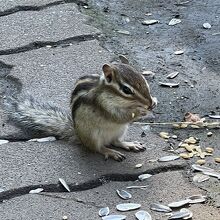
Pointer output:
191, 117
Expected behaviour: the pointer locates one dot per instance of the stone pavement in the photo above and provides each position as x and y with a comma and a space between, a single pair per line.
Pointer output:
45, 45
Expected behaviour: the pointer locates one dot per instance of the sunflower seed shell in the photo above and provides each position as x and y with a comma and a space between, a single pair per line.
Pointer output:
160, 208
123, 194
114, 217
127, 206
143, 215
104, 211
168, 158
179, 203
144, 176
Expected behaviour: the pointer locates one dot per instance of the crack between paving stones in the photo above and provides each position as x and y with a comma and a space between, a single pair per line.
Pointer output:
20, 8
91, 184
39, 44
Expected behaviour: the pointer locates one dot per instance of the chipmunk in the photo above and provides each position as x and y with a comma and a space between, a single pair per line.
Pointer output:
102, 106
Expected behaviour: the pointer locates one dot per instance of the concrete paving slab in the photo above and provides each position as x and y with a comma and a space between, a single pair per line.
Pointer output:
48, 74
52, 24
163, 188
9, 4
31, 163
51, 72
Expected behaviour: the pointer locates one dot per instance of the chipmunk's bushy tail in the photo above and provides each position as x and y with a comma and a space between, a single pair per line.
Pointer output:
43, 118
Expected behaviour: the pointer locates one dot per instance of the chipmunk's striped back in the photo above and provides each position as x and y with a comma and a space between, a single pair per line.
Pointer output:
83, 85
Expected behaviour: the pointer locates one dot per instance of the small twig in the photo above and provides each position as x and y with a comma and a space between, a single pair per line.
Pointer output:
199, 124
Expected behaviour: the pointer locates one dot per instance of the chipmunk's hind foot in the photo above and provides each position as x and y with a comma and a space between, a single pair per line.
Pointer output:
110, 153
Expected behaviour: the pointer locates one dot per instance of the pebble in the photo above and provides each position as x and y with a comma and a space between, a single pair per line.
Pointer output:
207, 25
209, 134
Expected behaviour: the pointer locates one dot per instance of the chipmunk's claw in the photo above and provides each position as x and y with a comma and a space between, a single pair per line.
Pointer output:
131, 146
116, 155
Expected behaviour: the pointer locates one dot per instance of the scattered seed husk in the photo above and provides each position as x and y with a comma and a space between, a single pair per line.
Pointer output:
185, 155
189, 148
171, 85
201, 162
176, 125
150, 22
104, 211
164, 135
174, 136
190, 140
204, 154
160, 208
201, 168
187, 210
172, 75
148, 73
139, 165
65, 217
179, 52
168, 158
209, 149
143, 215
199, 178
217, 159
195, 126
212, 173
46, 139
144, 176
136, 187
36, 191
183, 125
207, 25
181, 144
179, 203
63, 182
196, 199
174, 21
123, 194
114, 217
209, 134
3, 142
127, 206
133, 115
179, 215
214, 116
123, 32
213, 125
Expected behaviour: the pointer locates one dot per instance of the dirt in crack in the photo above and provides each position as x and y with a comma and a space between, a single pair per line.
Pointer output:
104, 179
19, 8
39, 44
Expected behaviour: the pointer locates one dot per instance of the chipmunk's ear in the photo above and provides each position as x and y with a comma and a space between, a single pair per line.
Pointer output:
123, 59
108, 71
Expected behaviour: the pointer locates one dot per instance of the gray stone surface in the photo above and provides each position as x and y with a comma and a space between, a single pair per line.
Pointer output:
49, 72
163, 188
52, 24
34, 163
9, 4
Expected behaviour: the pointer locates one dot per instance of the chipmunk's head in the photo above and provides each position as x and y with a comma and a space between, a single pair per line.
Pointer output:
129, 86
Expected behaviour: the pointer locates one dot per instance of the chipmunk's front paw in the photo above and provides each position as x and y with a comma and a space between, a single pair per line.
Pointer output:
116, 155
130, 146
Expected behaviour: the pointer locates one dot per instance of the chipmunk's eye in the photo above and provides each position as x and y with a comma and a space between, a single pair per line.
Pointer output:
126, 90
